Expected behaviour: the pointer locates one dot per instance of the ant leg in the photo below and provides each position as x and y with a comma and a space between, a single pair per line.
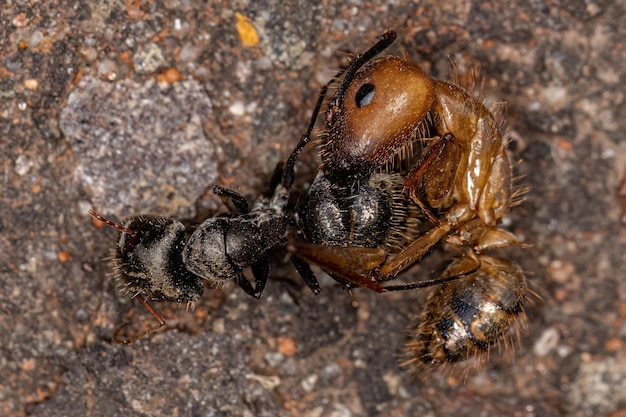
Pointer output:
245, 285
304, 269
148, 332
342, 261
434, 173
412, 253
348, 285
261, 273
458, 269
240, 203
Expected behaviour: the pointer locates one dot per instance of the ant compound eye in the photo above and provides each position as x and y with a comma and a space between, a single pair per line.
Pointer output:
365, 95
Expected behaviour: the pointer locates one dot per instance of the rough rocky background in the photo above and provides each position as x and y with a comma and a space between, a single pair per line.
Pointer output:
141, 106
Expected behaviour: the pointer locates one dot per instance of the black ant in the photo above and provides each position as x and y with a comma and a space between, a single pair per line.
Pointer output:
158, 259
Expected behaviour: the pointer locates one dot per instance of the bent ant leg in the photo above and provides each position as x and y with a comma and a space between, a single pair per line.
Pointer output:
459, 269
304, 269
148, 332
434, 174
412, 253
239, 201
261, 273
343, 262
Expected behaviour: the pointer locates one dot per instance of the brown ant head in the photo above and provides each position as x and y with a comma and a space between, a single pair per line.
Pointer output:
373, 115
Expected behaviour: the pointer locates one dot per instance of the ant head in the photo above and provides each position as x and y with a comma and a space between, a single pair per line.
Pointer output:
149, 259
374, 114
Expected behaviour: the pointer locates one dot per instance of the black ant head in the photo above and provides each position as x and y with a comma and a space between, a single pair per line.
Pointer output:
149, 259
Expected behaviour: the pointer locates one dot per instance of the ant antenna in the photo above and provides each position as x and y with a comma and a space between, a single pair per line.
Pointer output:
386, 39
148, 332
288, 171
108, 222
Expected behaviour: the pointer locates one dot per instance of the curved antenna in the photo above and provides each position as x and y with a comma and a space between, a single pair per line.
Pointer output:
386, 39
111, 223
148, 332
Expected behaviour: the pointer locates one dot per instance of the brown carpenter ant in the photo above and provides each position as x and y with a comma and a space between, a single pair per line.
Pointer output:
461, 183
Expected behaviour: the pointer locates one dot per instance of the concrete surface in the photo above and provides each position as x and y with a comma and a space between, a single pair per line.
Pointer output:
141, 106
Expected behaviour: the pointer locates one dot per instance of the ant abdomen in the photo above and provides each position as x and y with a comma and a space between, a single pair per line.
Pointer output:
466, 316
149, 260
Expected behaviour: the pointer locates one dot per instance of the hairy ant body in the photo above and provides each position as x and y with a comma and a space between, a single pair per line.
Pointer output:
461, 183
158, 259
155, 259
371, 213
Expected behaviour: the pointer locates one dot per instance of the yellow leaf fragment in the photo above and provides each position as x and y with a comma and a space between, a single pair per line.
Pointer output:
247, 33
